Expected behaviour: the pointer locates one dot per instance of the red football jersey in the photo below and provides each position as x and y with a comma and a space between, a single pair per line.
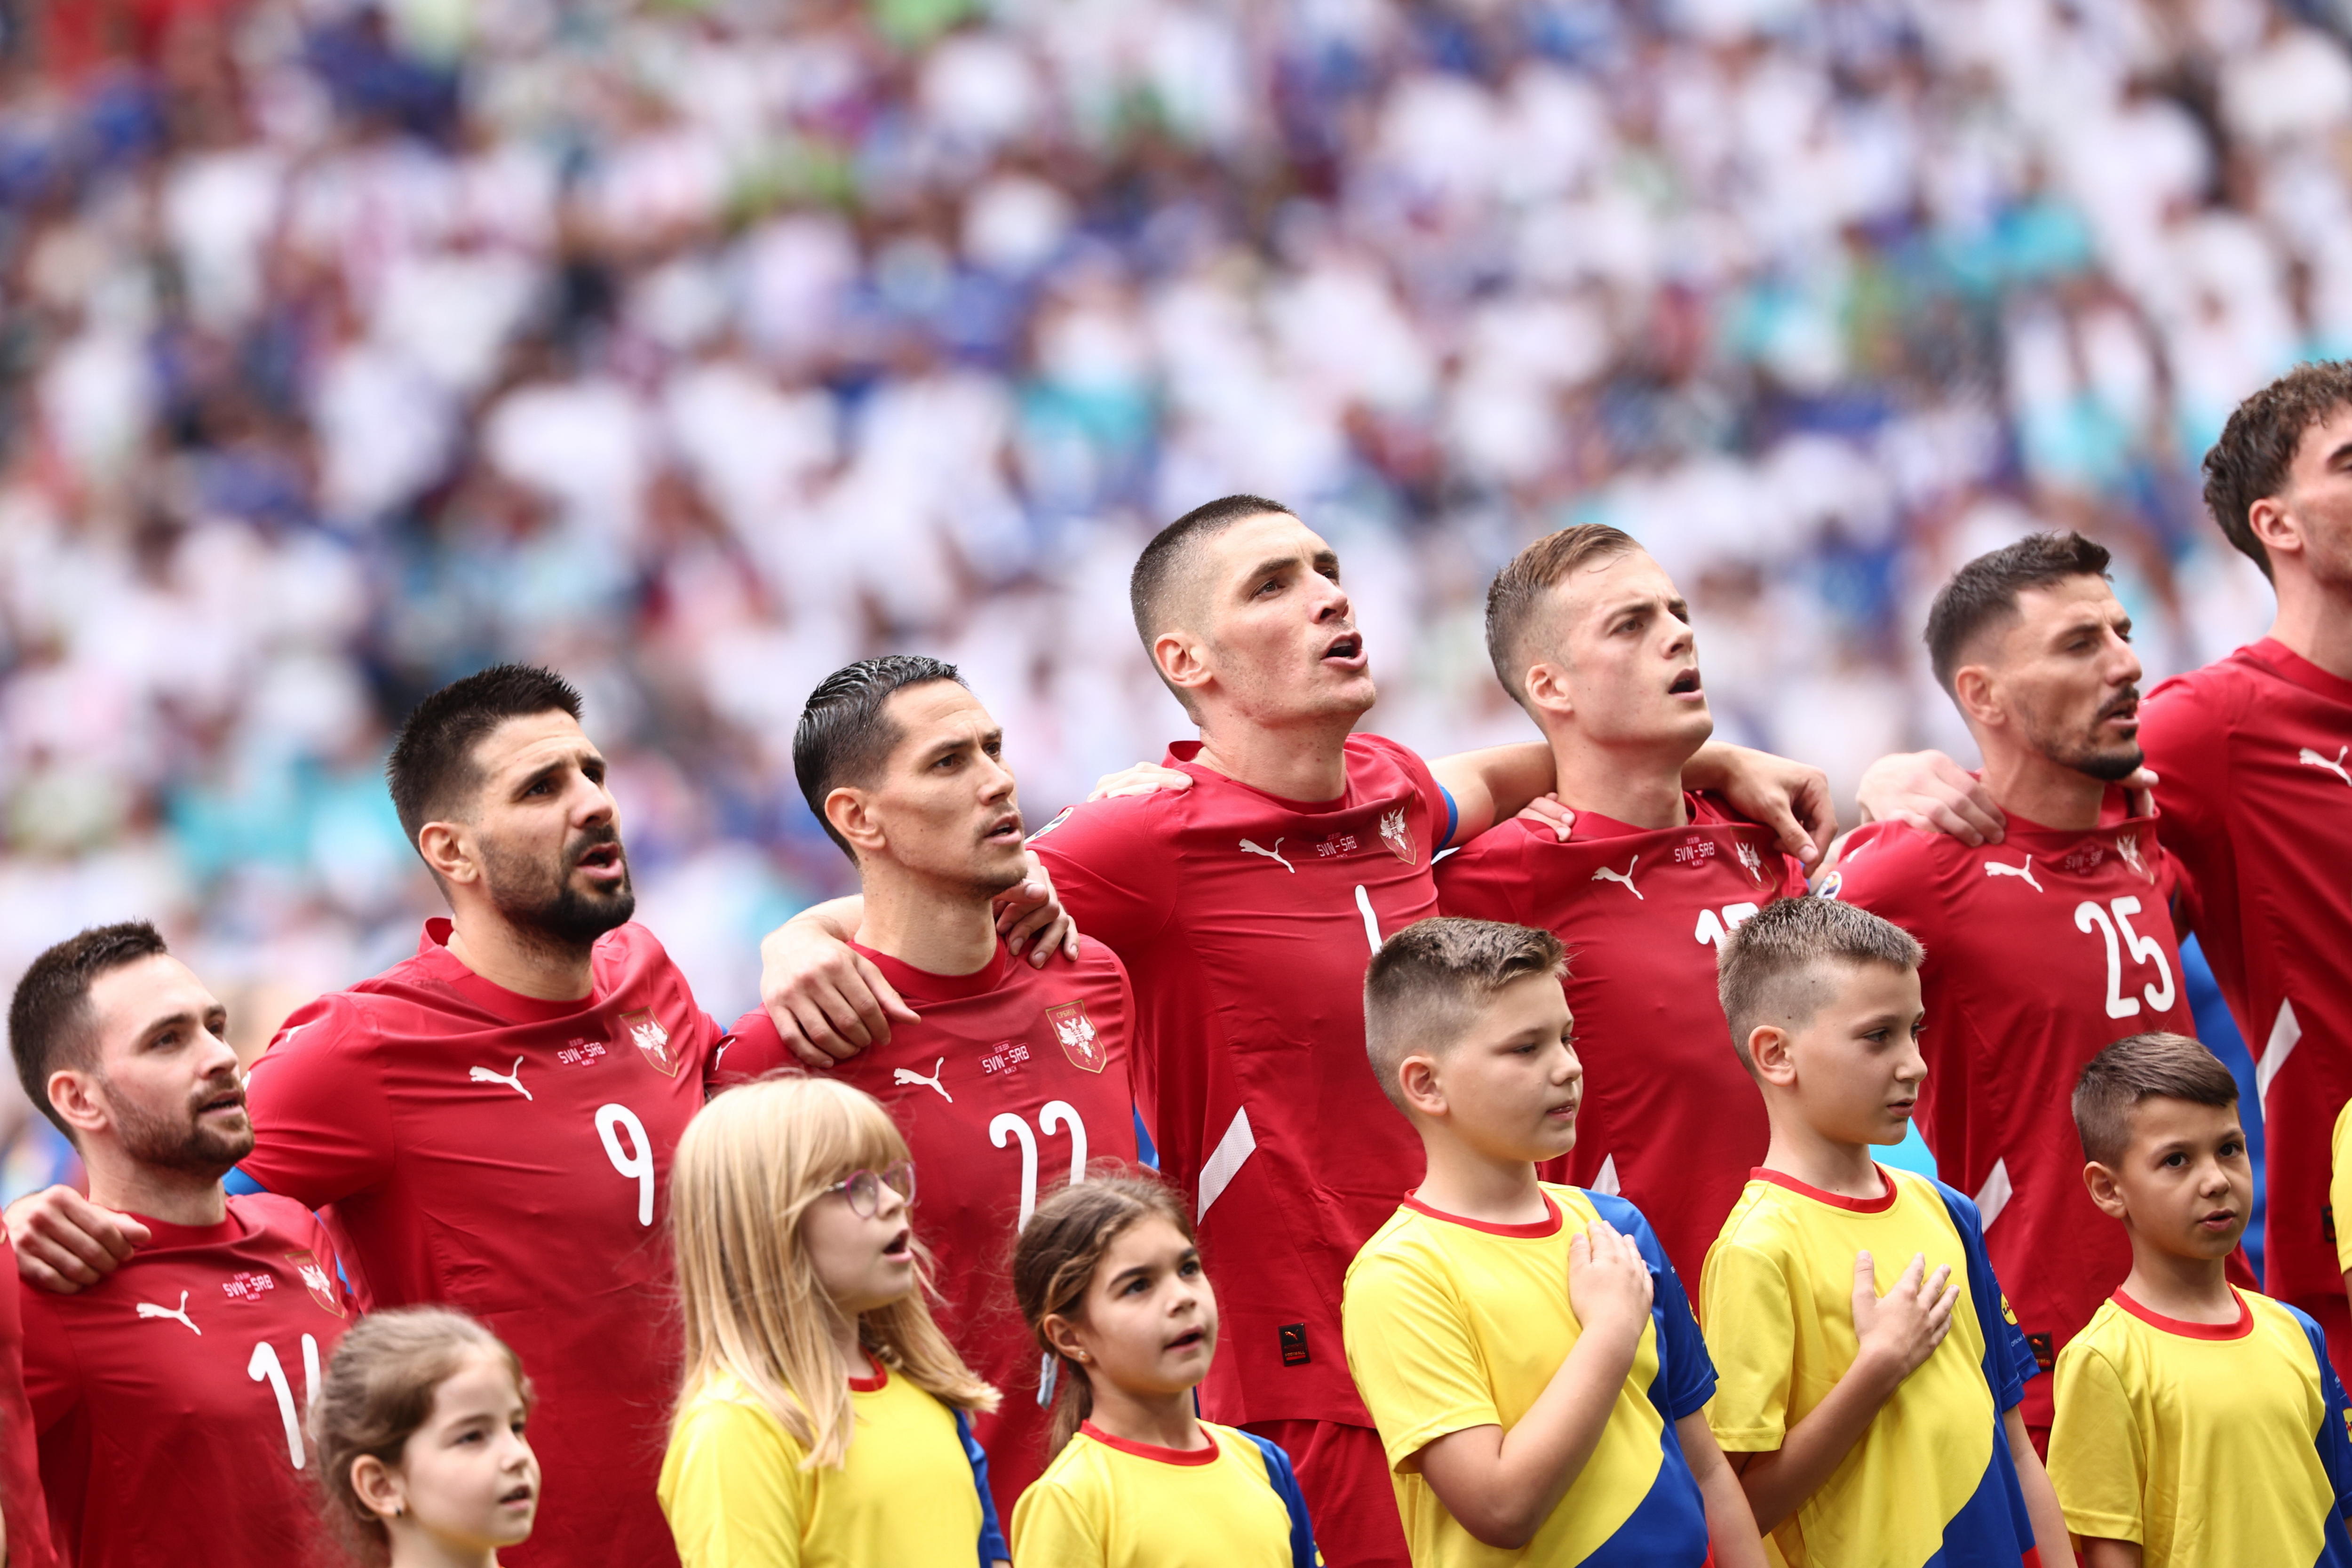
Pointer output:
1015, 1078
1670, 1119
170, 1395
510, 1156
2042, 951
2254, 757
20, 1469
1246, 921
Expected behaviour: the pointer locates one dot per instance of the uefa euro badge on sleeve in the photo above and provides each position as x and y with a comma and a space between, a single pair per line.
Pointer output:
646, 1031
314, 1275
1398, 836
1072, 1028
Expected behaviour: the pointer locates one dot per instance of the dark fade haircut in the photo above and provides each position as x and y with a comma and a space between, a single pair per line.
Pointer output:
2251, 460
1152, 588
844, 737
50, 1022
1516, 599
2158, 1065
1766, 971
1981, 597
433, 772
1428, 982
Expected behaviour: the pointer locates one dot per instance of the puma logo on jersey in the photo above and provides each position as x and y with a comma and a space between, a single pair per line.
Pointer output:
1999, 868
513, 1080
1605, 875
909, 1074
178, 1314
1274, 854
2310, 758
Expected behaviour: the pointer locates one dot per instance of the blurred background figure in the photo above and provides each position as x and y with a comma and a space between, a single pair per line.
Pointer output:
698, 347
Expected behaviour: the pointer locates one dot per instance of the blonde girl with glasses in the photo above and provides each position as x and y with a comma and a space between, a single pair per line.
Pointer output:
822, 1418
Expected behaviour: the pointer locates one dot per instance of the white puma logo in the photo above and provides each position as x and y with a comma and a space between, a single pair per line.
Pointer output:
1274, 854
513, 1080
178, 1314
2313, 759
1996, 869
909, 1074
1626, 877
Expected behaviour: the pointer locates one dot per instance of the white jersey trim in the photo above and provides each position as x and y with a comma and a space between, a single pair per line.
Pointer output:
2286, 1033
1225, 1161
1994, 1196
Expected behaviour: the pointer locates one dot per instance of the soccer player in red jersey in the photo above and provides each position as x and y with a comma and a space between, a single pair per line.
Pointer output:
169, 1395
2043, 950
24, 1518
2252, 757
1246, 903
1590, 636
1014, 1076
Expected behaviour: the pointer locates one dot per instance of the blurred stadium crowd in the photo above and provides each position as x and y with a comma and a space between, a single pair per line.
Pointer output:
696, 347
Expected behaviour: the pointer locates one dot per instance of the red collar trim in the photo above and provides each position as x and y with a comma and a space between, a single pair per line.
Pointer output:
1879, 1204
2289, 665
878, 1382
1152, 1451
924, 986
1181, 755
2188, 1330
1534, 1229
508, 1006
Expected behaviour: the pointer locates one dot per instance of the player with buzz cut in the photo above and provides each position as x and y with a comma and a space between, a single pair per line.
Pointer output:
1245, 887
169, 1396
2041, 947
1015, 1077
2252, 763
1589, 635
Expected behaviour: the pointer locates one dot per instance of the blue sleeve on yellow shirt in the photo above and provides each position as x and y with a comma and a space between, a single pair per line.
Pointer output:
2009, 1358
1284, 1481
1686, 1372
992, 1549
2334, 1436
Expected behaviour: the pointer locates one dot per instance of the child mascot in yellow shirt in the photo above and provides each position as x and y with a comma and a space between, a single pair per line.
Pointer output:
2197, 1422
1869, 1431
1526, 1349
821, 1420
1110, 1282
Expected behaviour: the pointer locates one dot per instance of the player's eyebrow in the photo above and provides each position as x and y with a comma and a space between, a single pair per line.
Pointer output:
181, 1019
1268, 567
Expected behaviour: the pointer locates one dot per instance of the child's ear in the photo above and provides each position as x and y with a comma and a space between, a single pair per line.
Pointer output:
1063, 1335
1417, 1080
378, 1486
1768, 1048
2106, 1191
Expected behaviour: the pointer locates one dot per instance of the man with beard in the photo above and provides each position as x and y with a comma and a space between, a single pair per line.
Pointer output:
2043, 950
168, 1397
1014, 1076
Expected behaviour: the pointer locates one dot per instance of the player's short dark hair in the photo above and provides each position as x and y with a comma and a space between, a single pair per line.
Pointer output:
1516, 598
432, 773
1981, 597
2158, 1065
844, 737
2251, 460
1429, 982
1152, 588
50, 1024
1764, 972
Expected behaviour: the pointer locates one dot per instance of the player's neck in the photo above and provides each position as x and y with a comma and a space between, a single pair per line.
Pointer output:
1469, 1183
2193, 1289
1303, 762
1162, 1420
176, 1198
1848, 1170
2041, 790
937, 930
1641, 787
523, 961
2314, 624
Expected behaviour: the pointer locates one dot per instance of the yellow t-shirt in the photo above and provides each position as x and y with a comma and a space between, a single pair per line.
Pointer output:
1932, 1473
1105, 1502
737, 1497
2209, 1445
2339, 1187
1452, 1323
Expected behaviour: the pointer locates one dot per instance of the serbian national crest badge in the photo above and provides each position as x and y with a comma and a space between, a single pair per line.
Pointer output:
1075, 1032
2128, 848
1750, 858
645, 1033
315, 1278
1398, 836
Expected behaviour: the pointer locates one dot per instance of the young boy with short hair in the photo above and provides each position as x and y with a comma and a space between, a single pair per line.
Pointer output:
1867, 1431
2197, 1422
1526, 1349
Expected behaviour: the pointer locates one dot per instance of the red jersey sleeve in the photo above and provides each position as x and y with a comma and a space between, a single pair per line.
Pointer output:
1491, 885
1111, 866
2184, 729
752, 1049
321, 1119
1888, 870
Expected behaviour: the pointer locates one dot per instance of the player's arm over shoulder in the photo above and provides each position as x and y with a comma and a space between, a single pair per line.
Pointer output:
1113, 863
321, 1121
